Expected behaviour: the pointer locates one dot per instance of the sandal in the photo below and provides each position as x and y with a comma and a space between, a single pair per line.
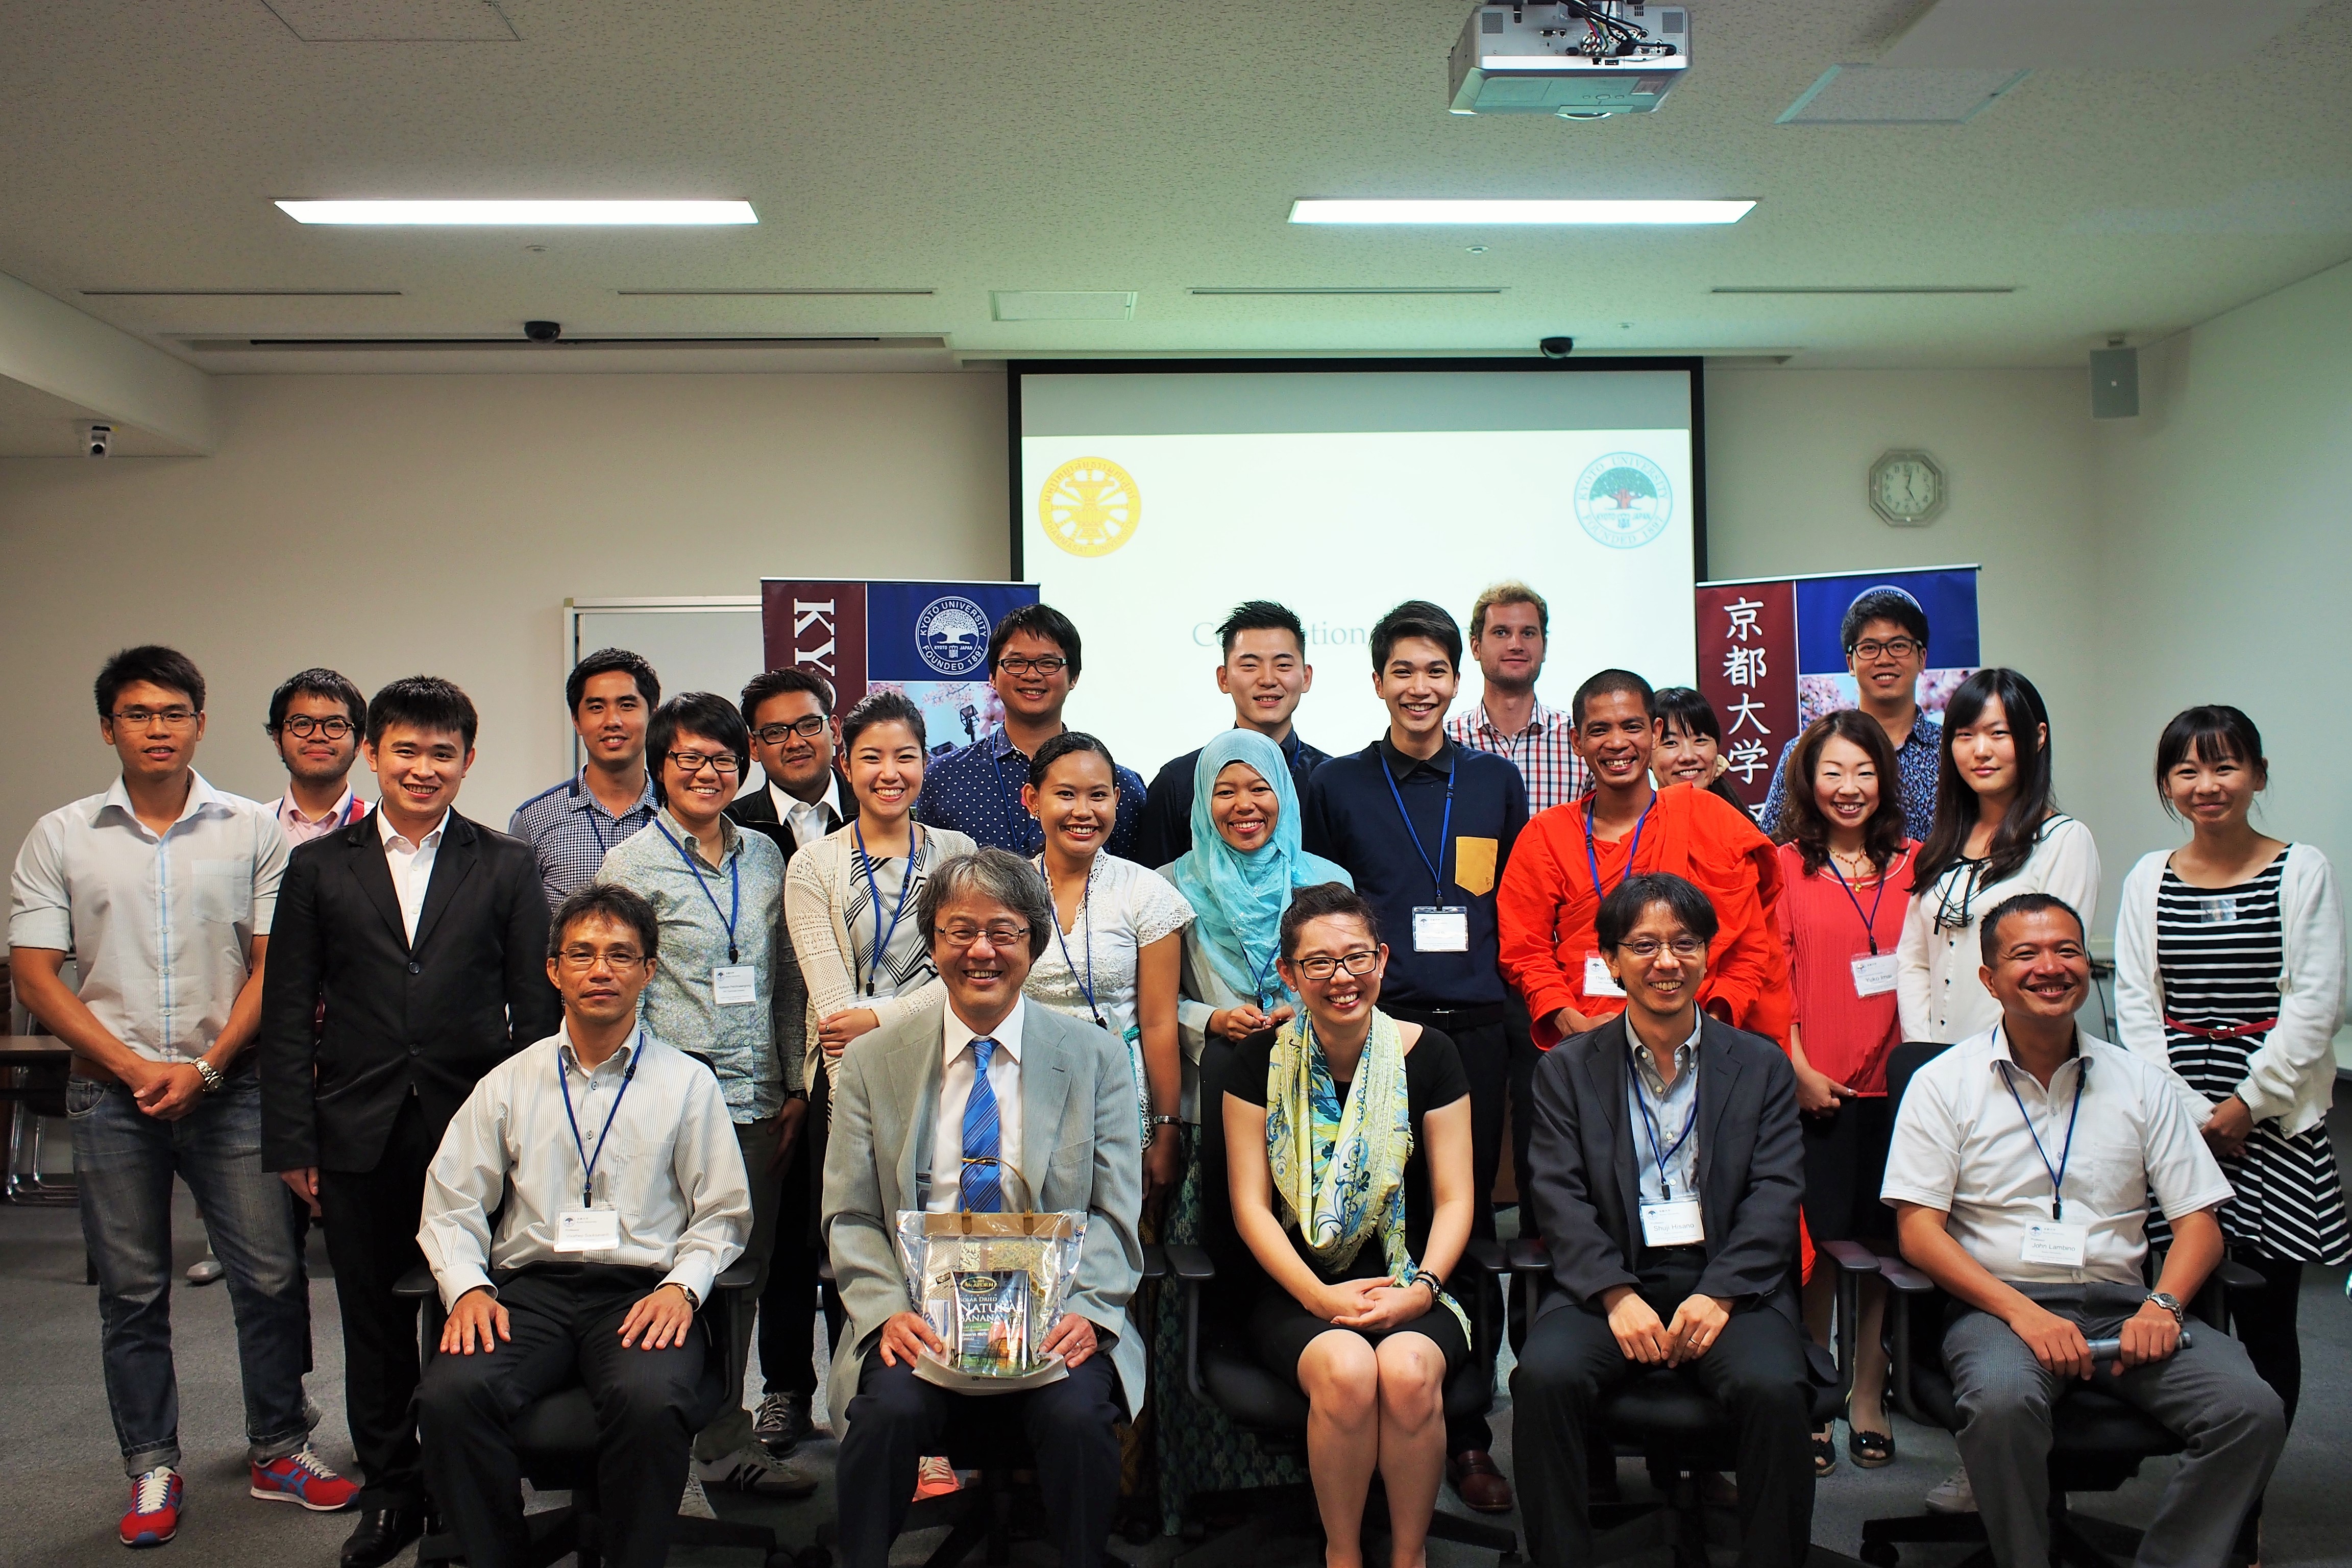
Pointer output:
1871, 1450
1824, 1453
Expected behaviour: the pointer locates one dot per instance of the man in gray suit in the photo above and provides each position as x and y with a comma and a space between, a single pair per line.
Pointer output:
988, 1105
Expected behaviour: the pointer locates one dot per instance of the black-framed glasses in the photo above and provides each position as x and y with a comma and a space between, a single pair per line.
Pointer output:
807, 729
1322, 965
692, 763
1016, 664
999, 934
301, 726
1683, 947
1873, 650
586, 958
170, 718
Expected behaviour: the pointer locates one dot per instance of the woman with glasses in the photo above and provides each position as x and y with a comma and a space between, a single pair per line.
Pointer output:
1689, 747
1348, 1153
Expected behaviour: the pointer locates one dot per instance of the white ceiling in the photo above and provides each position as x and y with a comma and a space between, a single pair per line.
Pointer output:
966, 147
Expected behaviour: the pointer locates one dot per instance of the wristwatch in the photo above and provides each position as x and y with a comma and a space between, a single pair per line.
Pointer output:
209, 1073
693, 1301
2170, 1303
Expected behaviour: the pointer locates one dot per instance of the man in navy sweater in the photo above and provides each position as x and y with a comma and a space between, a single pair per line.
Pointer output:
1426, 826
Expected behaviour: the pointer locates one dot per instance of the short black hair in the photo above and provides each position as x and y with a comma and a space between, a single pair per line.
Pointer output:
1037, 620
318, 682
776, 682
1415, 618
1989, 934
611, 900
157, 666
1322, 901
2208, 734
426, 702
1627, 902
1882, 604
1261, 615
606, 661
1061, 746
1688, 707
883, 708
703, 713
1606, 681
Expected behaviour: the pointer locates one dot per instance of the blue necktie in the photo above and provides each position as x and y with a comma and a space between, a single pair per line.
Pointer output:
983, 1185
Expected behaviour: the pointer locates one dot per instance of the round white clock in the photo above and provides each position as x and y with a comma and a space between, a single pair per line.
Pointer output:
1906, 489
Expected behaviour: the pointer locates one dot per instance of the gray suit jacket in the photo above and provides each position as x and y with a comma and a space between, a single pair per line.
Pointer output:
1079, 1145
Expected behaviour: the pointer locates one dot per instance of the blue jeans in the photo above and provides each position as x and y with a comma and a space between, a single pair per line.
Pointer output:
125, 1160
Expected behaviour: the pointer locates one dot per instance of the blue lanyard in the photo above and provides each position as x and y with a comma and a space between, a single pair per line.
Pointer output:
1087, 923
588, 1160
1592, 859
592, 807
1870, 921
1264, 971
874, 891
1445, 827
734, 889
1650, 1126
2057, 1172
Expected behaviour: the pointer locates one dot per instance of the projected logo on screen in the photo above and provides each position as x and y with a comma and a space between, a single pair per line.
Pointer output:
1089, 506
1624, 499
952, 633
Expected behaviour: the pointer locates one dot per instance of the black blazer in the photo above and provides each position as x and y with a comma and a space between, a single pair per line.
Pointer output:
434, 1018
756, 809
1751, 1167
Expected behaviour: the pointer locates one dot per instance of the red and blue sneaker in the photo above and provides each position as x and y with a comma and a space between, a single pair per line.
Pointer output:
300, 1477
155, 1513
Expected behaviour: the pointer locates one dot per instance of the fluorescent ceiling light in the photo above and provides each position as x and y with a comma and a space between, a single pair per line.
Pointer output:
1519, 212
521, 214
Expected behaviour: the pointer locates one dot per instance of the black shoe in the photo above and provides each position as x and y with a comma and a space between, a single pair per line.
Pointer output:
382, 1534
783, 1422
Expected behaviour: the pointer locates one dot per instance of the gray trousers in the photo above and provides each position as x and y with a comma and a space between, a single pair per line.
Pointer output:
2207, 1393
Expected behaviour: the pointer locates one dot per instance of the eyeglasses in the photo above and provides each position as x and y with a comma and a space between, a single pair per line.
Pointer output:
999, 934
170, 718
1683, 947
1322, 965
585, 958
807, 729
1871, 652
692, 763
1016, 665
302, 727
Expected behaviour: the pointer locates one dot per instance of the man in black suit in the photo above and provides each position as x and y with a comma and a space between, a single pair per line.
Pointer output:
794, 735
421, 939
1668, 1173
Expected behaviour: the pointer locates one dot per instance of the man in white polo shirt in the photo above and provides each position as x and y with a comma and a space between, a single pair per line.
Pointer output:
2022, 1163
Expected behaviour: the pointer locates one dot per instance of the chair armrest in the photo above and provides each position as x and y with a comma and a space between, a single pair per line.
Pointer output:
2236, 1276
1190, 1264
1901, 1276
1529, 1256
1486, 1256
1193, 1268
738, 1277
417, 1285
1155, 1261
1851, 1257
1905, 1280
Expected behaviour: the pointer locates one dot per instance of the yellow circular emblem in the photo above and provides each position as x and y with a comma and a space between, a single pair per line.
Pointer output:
1089, 506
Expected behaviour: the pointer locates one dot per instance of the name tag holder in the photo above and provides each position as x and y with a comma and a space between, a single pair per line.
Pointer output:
2053, 1242
2050, 1241
1674, 1224
1873, 973
1441, 928
587, 1230
1598, 981
735, 985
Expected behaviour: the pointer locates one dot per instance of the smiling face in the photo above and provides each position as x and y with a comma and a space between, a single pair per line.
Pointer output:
1616, 737
316, 758
696, 796
1244, 807
160, 743
1845, 784
2041, 970
1886, 661
1417, 683
981, 949
1679, 755
802, 764
1265, 675
1078, 803
1509, 646
600, 970
2216, 793
1030, 694
418, 771
611, 719
1663, 981
885, 770
1338, 1001
1986, 751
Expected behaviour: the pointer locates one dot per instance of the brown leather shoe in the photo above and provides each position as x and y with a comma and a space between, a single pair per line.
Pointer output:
1477, 1482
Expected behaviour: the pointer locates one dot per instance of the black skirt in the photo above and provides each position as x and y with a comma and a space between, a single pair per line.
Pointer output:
1845, 1166
1280, 1330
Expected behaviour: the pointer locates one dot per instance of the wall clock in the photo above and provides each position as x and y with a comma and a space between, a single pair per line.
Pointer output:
1906, 489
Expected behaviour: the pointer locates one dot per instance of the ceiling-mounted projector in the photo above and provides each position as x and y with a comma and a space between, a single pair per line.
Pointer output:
1580, 59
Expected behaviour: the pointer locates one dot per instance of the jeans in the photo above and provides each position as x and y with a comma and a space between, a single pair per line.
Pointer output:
125, 1160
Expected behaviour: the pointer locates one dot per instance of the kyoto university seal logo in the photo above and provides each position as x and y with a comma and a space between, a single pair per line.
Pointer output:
1089, 506
1623, 501
952, 633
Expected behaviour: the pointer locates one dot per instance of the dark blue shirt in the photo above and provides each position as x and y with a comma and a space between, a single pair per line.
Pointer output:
1164, 833
977, 791
1351, 817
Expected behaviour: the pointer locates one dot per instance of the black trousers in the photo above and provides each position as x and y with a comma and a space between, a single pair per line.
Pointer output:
1524, 1056
1756, 1371
788, 1306
370, 1218
566, 1321
896, 1418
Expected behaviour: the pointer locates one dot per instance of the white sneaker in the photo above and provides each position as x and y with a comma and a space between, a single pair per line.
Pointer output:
1953, 1494
694, 1503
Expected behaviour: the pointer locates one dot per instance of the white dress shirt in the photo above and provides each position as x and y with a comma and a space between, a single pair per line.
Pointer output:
670, 1167
956, 1079
809, 820
411, 866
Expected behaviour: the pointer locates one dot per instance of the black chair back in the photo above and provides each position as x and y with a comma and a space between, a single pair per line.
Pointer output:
1901, 1062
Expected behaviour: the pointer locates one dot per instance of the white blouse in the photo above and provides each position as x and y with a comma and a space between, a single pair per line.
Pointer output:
1938, 994
1126, 908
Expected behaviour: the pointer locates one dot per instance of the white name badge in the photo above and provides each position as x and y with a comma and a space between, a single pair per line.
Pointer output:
1597, 980
1444, 929
587, 1230
1672, 1225
735, 985
1873, 973
2049, 1241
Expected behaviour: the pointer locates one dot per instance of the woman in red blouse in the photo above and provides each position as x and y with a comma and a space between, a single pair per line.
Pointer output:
1846, 882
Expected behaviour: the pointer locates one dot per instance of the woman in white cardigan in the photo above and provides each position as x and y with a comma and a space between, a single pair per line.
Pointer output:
2230, 971
1997, 832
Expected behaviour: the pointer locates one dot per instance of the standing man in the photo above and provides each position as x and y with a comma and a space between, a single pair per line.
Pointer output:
163, 889
1425, 827
718, 892
1265, 673
423, 937
316, 720
612, 695
1885, 637
1032, 664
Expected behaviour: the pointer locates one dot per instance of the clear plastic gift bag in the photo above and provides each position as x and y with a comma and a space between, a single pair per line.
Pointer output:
992, 1286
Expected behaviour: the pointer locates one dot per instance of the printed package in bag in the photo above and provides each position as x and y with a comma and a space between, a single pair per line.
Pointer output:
991, 1287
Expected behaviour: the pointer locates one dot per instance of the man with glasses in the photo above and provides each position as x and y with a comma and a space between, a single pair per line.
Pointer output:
1669, 1170
718, 892
1032, 665
611, 696
316, 720
162, 890
989, 1106
1885, 634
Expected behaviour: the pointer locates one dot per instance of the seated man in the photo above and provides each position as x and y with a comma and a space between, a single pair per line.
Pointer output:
989, 1107
2020, 1180
611, 1165
1668, 1172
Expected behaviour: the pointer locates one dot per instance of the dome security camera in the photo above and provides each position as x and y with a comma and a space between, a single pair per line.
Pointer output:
542, 332
1557, 348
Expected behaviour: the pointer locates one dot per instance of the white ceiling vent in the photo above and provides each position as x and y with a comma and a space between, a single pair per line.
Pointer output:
395, 21
1889, 95
2091, 34
1062, 304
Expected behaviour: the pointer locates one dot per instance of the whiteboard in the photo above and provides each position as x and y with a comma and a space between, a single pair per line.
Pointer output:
705, 643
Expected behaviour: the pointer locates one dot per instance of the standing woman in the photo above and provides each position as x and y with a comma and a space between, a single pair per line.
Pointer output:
2230, 969
1998, 832
1689, 745
1845, 878
1347, 1150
